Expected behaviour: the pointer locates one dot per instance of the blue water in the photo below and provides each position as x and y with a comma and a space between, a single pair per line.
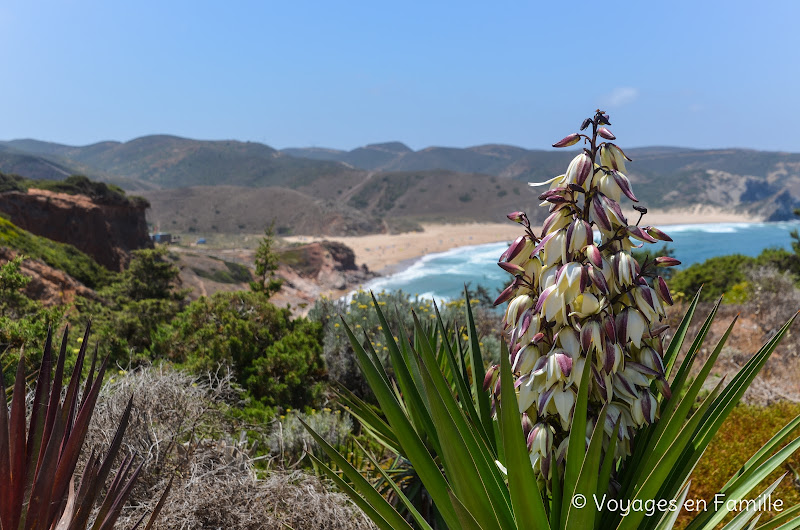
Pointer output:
442, 276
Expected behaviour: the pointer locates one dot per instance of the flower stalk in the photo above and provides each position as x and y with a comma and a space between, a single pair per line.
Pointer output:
577, 300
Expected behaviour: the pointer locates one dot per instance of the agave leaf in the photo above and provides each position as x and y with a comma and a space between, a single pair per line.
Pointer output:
761, 455
724, 404
607, 467
411, 443
366, 507
688, 361
670, 516
677, 409
375, 425
158, 508
745, 516
397, 491
7, 487
587, 481
468, 522
463, 390
465, 462
360, 484
478, 372
711, 518
655, 476
417, 410
788, 518
526, 499
671, 355
576, 450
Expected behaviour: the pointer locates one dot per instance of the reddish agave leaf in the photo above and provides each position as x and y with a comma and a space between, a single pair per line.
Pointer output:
39, 412
157, 509
6, 487
17, 441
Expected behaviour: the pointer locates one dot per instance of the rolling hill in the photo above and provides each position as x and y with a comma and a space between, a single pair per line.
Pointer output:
223, 185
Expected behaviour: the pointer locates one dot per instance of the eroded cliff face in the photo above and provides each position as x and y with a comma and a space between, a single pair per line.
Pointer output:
48, 285
107, 232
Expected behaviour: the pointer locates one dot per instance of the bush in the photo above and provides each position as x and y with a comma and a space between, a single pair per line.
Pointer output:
276, 359
338, 353
289, 439
179, 424
134, 305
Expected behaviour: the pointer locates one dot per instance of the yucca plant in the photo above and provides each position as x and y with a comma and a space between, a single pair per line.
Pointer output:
628, 444
38, 464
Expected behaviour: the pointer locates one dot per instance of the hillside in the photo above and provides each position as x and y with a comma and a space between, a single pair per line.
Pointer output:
235, 209
164, 161
388, 186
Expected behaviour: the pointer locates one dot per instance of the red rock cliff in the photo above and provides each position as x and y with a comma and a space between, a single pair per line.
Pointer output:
107, 232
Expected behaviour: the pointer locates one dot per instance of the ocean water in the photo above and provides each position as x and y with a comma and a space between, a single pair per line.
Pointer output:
442, 276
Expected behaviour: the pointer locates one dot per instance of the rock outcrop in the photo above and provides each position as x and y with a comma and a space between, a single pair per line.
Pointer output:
105, 231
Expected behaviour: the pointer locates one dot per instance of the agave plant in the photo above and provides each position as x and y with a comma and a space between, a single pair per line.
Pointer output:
38, 465
623, 463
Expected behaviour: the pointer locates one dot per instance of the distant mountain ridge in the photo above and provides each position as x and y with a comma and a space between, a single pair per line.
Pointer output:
392, 185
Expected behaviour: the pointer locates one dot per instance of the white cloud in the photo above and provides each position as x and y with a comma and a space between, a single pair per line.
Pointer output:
619, 96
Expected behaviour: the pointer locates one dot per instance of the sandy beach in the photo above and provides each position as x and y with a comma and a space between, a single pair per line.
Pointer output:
385, 253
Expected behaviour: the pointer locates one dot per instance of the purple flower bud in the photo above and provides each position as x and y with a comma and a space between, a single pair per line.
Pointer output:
667, 261
527, 425
624, 185
506, 295
663, 290
595, 256
517, 217
640, 234
599, 280
600, 215
511, 268
567, 141
605, 133
513, 249
656, 233
586, 123
658, 330
487, 381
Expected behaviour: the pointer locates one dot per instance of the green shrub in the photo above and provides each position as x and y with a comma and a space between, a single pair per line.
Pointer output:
58, 255
338, 353
289, 439
133, 306
276, 359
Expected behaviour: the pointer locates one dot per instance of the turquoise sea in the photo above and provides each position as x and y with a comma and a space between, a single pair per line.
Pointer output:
442, 276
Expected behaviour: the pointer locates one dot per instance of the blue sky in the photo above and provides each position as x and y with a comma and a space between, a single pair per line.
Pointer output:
347, 73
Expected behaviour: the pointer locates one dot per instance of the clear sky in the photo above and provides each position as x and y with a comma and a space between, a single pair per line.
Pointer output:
347, 73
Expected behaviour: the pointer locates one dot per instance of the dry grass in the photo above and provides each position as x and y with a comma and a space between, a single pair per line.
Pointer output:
179, 429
